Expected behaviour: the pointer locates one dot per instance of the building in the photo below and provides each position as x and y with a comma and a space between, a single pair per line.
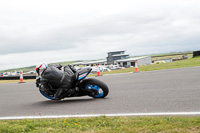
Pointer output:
116, 55
164, 60
118, 58
144, 60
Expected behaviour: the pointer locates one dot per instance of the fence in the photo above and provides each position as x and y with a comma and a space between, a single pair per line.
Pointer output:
17, 77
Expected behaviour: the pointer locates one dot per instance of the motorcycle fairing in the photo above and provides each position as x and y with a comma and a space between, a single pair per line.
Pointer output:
81, 74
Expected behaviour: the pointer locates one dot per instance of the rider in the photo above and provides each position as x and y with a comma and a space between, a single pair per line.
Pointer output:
58, 77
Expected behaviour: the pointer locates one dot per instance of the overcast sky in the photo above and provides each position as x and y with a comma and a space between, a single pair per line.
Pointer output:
32, 31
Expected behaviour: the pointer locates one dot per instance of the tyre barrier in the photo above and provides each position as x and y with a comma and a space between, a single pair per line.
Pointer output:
17, 77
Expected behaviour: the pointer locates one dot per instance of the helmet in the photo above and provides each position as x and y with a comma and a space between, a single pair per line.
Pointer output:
40, 68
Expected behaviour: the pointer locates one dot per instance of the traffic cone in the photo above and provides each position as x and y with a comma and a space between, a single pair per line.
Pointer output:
98, 71
21, 78
136, 67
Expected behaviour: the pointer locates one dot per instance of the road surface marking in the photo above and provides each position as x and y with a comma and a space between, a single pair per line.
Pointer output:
98, 115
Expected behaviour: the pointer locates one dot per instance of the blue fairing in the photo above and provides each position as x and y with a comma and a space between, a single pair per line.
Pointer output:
82, 76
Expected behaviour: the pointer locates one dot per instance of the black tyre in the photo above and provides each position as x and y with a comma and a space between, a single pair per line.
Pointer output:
98, 85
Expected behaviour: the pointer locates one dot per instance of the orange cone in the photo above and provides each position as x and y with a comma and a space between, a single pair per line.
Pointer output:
136, 67
21, 78
98, 71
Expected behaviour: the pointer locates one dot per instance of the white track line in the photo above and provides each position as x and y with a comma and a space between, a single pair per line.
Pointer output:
98, 115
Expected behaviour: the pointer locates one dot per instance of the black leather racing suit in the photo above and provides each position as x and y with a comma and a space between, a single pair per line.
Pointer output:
58, 79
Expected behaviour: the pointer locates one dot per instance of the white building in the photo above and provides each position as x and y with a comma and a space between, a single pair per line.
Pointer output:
144, 60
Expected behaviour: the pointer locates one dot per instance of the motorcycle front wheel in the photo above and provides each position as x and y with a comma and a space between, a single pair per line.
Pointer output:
97, 85
49, 95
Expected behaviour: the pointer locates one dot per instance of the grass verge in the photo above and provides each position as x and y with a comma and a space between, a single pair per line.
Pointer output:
103, 124
16, 81
192, 62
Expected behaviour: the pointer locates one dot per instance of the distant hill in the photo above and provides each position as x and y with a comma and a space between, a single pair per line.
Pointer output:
32, 68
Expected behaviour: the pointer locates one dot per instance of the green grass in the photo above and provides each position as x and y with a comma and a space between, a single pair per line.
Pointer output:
103, 124
25, 69
171, 56
192, 62
32, 68
66, 62
15, 81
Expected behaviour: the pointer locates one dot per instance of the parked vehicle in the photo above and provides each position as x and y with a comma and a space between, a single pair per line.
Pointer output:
100, 68
114, 67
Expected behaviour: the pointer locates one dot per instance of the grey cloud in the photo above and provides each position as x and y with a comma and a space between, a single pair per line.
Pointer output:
142, 27
25, 45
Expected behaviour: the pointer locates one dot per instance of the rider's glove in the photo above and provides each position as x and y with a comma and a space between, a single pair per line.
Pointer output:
37, 81
72, 68
37, 85
59, 66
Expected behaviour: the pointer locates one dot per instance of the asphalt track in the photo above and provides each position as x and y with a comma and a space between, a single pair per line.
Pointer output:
174, 90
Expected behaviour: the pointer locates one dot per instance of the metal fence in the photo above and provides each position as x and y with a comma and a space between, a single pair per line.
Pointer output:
17, 77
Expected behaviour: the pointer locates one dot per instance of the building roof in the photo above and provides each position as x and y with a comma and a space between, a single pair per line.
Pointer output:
117, 51
120, 55
131, 59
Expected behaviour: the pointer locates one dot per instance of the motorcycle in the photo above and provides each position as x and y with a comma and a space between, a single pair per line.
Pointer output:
80, 87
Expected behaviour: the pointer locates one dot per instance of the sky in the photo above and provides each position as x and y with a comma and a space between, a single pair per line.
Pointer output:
33, 31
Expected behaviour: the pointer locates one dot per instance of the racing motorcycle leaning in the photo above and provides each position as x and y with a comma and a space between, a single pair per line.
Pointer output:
81, 86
